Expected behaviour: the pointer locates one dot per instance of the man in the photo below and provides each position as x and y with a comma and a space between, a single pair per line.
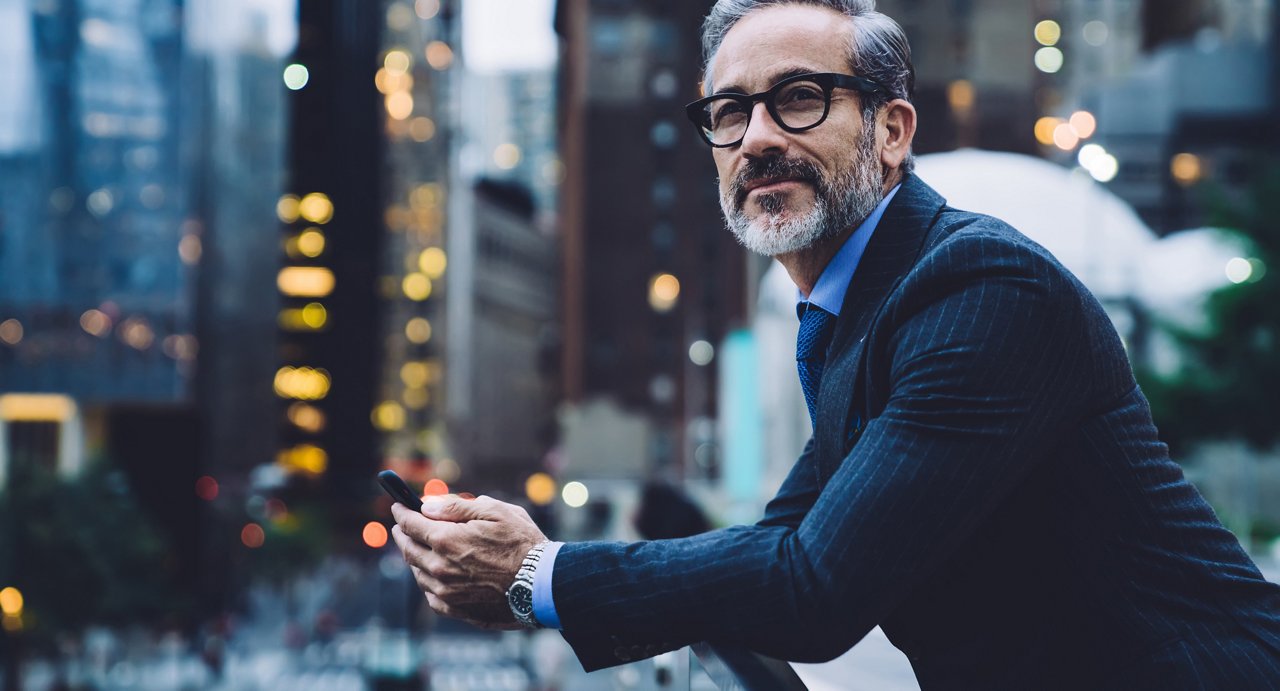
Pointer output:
984, 480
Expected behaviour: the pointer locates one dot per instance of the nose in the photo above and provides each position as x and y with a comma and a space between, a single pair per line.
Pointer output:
763, 138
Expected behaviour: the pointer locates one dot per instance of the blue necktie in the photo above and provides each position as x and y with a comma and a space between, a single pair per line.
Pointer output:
816, 327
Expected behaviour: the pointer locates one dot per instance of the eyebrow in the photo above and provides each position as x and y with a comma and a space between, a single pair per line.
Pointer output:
777, 77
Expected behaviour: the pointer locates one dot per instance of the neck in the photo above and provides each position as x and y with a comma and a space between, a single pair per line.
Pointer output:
806, 265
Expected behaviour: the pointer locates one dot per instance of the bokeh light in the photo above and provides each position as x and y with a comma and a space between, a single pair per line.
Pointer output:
303, 458
435, 487
397, 62
1045, 127
422, 129
399, 105
664, 291
433, 262
575, 494
439, 55
316, 207
426, 9
388, 416
1048, 33
1049, 59
961, 95
1065, 137
305, 281
207, 488
296, 76
190, 249
414, 374
1239, 270
96, 323
287, 208
1095, 32
506, 156
311, 243
307, 418
1083, 122
701, 353
417, 287
11, 602
1186, 169
540, 488
302, 383
252, 536
418, 330
447, 469
374, 534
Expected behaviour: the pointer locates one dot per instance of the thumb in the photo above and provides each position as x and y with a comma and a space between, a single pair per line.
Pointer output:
450, 508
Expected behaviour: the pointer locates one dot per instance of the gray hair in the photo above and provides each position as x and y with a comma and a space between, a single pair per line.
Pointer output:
879, 50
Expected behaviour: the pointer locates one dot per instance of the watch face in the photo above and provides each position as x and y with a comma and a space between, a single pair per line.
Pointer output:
520, 597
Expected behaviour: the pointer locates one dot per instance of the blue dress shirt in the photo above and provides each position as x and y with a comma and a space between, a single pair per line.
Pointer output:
828, 293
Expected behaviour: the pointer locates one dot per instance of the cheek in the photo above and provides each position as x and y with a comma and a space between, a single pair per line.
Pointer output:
725, 171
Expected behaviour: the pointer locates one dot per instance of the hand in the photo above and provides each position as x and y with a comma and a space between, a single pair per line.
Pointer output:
464, 554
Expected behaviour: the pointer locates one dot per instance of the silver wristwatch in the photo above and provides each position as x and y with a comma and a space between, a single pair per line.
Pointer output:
520, 594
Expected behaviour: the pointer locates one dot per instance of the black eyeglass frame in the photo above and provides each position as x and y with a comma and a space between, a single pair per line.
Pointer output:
828, 81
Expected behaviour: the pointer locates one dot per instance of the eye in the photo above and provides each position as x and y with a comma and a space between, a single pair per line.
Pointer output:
725, 110
799, 93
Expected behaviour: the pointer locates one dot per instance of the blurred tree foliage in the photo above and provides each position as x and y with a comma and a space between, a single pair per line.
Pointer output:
1229, 383
82, 552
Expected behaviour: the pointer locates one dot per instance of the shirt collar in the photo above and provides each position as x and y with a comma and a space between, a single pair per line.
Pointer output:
828, 293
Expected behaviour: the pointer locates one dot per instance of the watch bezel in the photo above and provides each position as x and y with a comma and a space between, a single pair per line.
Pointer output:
520, 599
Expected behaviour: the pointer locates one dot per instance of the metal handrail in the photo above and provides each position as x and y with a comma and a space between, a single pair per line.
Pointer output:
734, 668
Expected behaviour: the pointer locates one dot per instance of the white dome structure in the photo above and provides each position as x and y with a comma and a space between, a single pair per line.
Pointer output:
1091, 231
1176, 274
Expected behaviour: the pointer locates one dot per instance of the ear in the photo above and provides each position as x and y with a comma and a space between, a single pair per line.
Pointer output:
897, 127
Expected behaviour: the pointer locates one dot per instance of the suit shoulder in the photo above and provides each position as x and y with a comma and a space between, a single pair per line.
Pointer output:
965, 242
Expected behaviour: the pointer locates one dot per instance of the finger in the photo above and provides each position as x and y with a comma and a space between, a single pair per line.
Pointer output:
414, 552
426, 583
453, 508
423, 529
401, 514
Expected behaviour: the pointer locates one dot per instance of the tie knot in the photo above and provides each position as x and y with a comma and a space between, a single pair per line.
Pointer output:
815, 331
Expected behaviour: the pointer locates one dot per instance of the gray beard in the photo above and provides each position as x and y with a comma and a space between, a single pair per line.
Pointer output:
842, 201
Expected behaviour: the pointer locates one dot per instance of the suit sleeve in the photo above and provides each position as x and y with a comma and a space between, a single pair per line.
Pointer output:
986, 356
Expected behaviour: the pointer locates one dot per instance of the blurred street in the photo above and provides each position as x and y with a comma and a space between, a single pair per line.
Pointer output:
271, 649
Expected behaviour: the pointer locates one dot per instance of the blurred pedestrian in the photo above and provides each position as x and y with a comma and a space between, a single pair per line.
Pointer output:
667, 512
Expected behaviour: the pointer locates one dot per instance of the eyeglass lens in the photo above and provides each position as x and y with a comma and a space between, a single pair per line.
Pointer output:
798, 104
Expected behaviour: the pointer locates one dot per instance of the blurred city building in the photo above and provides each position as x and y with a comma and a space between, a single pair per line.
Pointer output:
1152, 98
468, 276
329, 269
504, 371
141, 151
652, 282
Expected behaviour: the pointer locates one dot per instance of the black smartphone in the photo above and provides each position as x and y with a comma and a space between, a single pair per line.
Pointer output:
398, 490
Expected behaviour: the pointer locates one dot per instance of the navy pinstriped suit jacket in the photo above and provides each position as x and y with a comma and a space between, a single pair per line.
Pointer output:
1006, 512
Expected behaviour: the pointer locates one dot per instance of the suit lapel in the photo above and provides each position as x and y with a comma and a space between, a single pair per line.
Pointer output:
893, 249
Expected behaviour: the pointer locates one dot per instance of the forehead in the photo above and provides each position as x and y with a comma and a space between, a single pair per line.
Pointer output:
777, 40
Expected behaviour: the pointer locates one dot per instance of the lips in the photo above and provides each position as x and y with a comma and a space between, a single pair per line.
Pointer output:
757, 184
764, 184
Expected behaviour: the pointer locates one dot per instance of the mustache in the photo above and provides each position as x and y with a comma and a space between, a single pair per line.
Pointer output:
775, 167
